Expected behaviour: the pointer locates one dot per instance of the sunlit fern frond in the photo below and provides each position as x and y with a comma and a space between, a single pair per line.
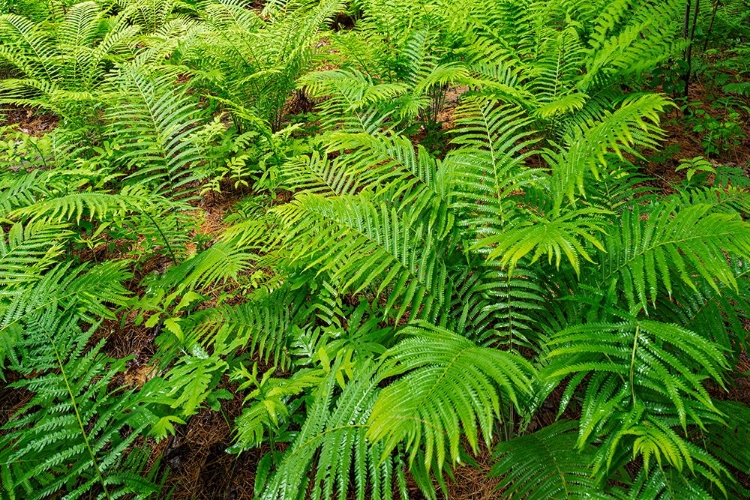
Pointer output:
332, 456
365, 244
669, 242
446, 387
157, 144
28, 250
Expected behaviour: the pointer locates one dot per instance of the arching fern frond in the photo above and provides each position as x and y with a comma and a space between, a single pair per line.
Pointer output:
633, 124
546, 464
219, 263
641, 358
157, 142
552, 236
27, 251
367, 245
488, 169
447, 387
19, 190
664, 484
90, 290
332, 455
74, 207
354, 102
646, 251
627, 41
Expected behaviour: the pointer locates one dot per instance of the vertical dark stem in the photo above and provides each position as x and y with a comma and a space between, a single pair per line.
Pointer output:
689, 34
164, 237
711, 24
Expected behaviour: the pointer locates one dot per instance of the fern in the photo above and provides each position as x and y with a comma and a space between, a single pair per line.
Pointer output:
360, 242
74, 432
688, 242
157, 145
334, 437
653, 357
62, 69
28, 251
545, 464
447, 387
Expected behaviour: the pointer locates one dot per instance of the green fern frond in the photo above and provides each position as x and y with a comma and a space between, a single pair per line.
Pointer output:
20, 190
221, 262
667, 484
317, 174
261, 325
73, 434
546, 464
644, 358
716, 315
73, 207
332, 456
355, 103
488, 168
27, 251
269, 402
88, 289
447, 387
619, 50
160, 118
690, 242
367, 245
633, 124
553, 236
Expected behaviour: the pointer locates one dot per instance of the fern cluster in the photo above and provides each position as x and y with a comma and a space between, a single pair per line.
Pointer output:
440, 229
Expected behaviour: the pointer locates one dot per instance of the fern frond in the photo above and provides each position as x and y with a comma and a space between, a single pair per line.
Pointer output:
447, 387
488, 168
690, 242
643, 358
73, 434
619, 50
90, 290
355, 103
160, 119
332, 455
666, 484
27, 251
269, 405
221, 262
367, 245
553, 236
73, 207
20, 190
546, 464
633, 124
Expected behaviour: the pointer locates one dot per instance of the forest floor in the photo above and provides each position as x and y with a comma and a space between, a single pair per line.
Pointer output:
199, 466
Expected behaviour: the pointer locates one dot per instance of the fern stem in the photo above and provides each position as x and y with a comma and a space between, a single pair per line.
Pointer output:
78, 418
166, 241
711, 24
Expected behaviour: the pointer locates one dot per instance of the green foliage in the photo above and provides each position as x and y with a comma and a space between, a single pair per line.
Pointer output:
447, 386
74, 434
396, 238
333, 443
60, 68
544, 464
